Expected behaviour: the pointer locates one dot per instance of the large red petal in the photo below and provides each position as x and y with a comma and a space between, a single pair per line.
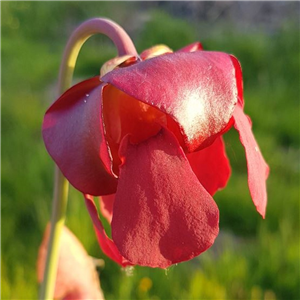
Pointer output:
258, 170
198, 90
211, 166
74, 136
106, 244
162, 214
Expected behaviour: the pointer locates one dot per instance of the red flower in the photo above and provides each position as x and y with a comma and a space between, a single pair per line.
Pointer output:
149, 134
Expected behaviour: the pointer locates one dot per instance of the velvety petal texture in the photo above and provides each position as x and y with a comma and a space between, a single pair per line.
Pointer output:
162, 214
198, 90
74, 136
77, 277
211, 166
258, 170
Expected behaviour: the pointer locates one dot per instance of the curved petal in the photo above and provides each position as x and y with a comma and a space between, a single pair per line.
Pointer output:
74, 136
239, 79
114, 63
106, 206
106, 244
258, 170
162, 214
76, 277
211, 166
124, 115
197, 46
198, 90
155, 51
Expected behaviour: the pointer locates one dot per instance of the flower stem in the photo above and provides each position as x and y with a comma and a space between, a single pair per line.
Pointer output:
61, 186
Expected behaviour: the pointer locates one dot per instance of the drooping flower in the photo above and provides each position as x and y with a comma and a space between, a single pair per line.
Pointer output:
146, 136
77, 277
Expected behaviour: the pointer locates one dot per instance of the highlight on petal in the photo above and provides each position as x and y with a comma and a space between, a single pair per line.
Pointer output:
162, 214
106, 206
258, 170
106, 244
211, 166
198, 90
74, 136
77, 277
191, 48
155, 51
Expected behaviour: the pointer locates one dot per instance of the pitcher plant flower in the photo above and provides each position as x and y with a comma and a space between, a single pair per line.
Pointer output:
146, 136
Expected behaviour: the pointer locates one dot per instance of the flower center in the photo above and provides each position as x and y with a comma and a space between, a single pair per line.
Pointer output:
125, 115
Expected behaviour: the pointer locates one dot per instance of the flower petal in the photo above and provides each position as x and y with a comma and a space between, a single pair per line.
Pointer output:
106, 206
239, 79
198, 90
162, 214
211, 166
258, 170
197, 46
155, 51
76, 277
124, 115
113, 63
74, 136
106, 244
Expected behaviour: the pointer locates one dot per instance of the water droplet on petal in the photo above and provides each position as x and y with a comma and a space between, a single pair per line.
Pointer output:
87, 95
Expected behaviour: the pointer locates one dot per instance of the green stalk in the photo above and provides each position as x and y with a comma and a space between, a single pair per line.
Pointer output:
61, 185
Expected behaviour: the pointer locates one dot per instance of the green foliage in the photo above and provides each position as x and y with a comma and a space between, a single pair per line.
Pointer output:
252, 258
163, 29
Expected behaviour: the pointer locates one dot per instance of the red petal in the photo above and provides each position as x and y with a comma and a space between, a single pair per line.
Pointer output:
106, 244
76, 277
106, 206
191, 48
211, 166
124, 115
198, 90
239, 79
162, 214
258, 170
74, 136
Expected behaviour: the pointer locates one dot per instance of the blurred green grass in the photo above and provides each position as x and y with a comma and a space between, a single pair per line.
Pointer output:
252, 258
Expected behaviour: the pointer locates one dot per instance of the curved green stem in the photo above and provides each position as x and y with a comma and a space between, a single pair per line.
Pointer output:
61, 185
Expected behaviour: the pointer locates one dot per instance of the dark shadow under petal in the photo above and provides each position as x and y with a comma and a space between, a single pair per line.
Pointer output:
211, 166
